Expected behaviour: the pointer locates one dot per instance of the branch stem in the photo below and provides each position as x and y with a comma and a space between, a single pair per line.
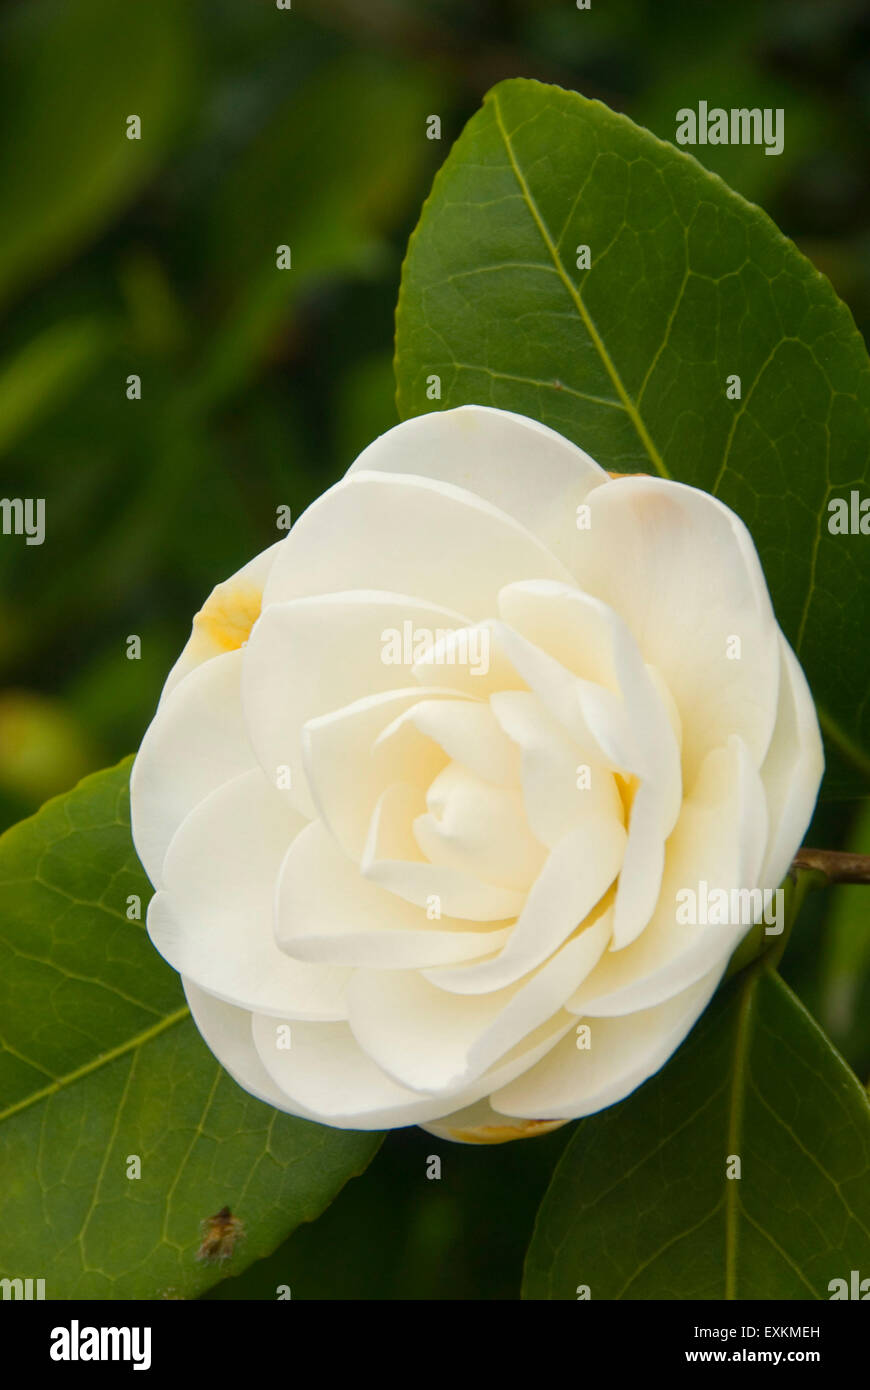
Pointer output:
837, 866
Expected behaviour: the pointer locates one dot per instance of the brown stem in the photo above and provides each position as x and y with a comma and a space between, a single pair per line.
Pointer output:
836, 865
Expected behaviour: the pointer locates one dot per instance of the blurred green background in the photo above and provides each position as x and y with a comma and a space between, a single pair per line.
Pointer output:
156, 257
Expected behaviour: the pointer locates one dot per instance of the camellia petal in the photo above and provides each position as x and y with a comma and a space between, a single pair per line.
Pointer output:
195, 743
392, 857
470, 662
434, 1040
226, 1030
572, 884
459, 799
572, 1081
290, 675
327, 911
220, 872
560, 790
330, 1078
349, 764
224, 622
470, 733
481, 1124
469, 824
717, 845
487, 452
681, 571
792, 769
393, 529
590, 640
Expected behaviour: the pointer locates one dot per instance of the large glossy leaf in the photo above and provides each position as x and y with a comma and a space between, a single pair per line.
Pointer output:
688, 286
641, 1206
100, 1061
402, 1233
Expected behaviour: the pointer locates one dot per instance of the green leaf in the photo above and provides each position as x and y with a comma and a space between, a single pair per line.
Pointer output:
640, 1206
688, 285
395, 1235
100, 1061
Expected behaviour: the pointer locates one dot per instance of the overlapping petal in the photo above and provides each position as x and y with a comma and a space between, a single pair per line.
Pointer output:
327, 911
224, 622
430, 784
213, 920
520, 466
571, 1081
680, 569
312, 656
394, 529
195, 743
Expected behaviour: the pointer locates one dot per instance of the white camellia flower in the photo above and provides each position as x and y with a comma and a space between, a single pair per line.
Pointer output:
425, 784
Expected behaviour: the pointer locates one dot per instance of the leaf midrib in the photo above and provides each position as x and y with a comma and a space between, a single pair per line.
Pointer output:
847, 748
628, 404
103, 1059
